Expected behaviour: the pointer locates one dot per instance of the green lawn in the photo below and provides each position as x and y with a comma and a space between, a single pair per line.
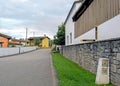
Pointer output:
70, 74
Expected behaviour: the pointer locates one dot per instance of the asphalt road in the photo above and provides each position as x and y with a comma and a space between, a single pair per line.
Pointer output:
29, 69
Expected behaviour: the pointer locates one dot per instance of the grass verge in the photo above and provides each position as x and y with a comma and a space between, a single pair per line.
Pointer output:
70, 74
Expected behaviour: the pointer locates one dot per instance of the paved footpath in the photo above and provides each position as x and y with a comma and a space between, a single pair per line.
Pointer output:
29, 69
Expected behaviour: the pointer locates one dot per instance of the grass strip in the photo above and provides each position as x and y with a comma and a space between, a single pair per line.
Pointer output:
71, 74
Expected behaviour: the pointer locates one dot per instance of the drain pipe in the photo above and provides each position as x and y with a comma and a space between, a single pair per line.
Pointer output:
96, 33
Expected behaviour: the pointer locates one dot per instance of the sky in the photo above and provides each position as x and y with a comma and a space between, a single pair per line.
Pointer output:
39, 16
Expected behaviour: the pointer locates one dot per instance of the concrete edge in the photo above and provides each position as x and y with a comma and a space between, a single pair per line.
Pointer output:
54, 73
17, 54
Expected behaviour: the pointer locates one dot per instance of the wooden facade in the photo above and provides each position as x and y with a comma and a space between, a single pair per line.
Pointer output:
96, 13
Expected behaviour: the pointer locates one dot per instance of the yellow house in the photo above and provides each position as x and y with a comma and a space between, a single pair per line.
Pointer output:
44, 42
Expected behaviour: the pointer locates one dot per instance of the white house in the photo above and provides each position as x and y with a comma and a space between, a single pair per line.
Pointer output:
85, 15
69, 24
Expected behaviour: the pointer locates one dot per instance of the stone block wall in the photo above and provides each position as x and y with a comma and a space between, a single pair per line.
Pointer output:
88, 54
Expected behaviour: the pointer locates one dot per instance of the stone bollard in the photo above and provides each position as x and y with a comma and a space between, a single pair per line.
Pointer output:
103, 71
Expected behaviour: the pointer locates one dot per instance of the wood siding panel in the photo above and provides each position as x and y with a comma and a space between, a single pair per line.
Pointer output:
119, 6
97, 13
112, 8
109, 9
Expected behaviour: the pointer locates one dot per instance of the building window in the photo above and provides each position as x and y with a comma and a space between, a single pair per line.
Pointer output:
0, 45
67, 39
71, 38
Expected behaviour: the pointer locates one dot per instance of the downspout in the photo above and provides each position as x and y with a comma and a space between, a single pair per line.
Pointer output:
96, 33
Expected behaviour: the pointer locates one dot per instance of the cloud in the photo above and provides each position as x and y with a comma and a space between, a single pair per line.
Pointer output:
18, 1
40, 16
11, 21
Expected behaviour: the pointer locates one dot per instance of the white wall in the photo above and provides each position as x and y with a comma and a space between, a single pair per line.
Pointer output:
69, 26
88, 35
26, 49
8, 51
108, 30
16, 50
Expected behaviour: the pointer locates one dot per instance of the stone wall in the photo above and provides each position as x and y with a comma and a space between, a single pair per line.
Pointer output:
88, 54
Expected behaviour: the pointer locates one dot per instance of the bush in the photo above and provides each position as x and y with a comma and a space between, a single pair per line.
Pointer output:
13, 46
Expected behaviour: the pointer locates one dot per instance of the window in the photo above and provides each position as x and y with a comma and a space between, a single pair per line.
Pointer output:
0, 44
71, 38
67, 39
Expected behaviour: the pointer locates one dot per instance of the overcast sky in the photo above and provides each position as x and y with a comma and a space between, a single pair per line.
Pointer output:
39, 16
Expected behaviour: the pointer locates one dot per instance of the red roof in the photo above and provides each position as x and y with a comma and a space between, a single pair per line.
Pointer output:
16, 43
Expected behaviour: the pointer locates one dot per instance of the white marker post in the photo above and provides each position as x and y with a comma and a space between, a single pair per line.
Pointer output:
103, 71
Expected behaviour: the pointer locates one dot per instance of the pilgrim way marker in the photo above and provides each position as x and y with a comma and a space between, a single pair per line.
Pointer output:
103, 71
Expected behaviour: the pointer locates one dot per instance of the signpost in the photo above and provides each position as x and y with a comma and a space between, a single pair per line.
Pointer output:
103, 71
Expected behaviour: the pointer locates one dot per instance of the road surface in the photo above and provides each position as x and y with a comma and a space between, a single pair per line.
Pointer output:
29, 69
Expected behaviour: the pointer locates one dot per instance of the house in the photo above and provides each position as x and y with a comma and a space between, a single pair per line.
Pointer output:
24, 42
93, 20
69, 24
4, 39
43, 41
15, 43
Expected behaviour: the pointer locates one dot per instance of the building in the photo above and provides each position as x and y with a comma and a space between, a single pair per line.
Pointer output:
69, 24
24, 42
43, 41
15, 43
91, 14
4, 39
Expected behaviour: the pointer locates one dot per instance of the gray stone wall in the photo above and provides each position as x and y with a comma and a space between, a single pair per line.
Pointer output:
88, 54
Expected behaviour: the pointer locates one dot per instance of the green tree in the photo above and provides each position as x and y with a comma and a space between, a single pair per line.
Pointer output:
36, 41
59, 39
13, 45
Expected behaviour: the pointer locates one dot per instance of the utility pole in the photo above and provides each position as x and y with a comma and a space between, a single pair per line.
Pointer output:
26, 36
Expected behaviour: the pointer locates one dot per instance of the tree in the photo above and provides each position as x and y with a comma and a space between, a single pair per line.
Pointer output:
13, 45
36, 41
59, 39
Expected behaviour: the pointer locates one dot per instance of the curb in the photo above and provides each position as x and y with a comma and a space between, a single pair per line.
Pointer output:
53, 72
